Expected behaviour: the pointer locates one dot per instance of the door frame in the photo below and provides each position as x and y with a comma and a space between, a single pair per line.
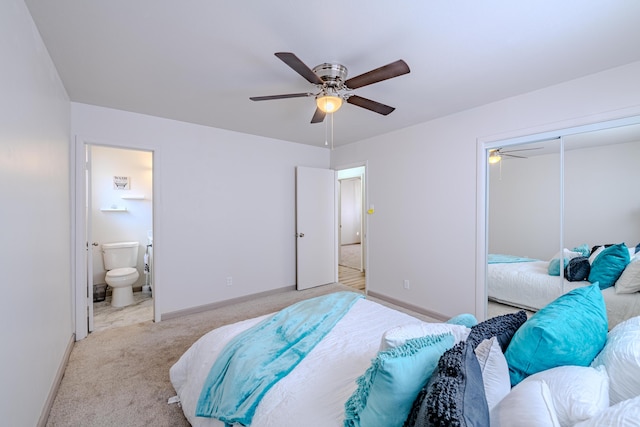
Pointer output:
79, 224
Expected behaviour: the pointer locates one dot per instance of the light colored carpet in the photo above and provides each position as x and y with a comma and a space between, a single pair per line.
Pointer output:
120, 376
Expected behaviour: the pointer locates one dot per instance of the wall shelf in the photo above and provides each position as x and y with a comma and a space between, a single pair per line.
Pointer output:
133, 197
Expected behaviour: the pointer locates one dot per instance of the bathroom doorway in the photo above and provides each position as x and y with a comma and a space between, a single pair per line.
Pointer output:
119, 209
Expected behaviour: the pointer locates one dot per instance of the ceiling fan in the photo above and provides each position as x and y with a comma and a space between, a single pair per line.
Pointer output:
333, 86
496, 154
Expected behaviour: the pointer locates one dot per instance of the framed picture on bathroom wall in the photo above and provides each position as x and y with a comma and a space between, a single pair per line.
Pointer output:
121, 183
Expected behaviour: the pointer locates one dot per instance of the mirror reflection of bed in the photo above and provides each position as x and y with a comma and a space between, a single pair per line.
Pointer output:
577, 190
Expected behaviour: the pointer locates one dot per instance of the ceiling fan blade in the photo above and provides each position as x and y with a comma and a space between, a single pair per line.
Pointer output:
299, 67
289, 95
318, 116
522, 149
513, 155
370, 105
385, 72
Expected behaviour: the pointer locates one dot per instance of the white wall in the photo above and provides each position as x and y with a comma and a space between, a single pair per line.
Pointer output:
115, 226
422, 181
35, 308
524, 206
224, 204
600, 205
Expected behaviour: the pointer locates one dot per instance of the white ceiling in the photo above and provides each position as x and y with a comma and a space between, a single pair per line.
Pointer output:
199, 61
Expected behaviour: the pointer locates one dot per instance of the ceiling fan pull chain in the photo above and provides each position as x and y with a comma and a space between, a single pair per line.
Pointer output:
331, 131
326, 127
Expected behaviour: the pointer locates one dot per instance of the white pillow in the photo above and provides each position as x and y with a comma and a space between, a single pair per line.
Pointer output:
568, 254
595, 254
621, 357
578, 392
495, 371
629, 280
625, 413
528, 405
397, 336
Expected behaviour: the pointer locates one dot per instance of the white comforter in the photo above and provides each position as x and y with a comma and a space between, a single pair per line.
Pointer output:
314, 393
529, 285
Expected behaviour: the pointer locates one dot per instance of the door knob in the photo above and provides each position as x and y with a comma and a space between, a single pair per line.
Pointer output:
300, 234
94, 244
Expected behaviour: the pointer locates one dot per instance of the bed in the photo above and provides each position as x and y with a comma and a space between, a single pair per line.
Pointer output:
526, 283
332, 367
328, 373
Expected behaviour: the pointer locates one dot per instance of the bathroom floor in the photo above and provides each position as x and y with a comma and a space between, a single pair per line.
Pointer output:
106, 317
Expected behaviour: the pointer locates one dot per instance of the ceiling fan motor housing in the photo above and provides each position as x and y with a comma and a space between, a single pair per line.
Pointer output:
333, 75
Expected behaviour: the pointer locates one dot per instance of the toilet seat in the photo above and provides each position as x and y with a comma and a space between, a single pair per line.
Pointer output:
120, 272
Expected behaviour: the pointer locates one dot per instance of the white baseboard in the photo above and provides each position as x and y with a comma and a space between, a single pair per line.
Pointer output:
432, 314
207, 307
44, 416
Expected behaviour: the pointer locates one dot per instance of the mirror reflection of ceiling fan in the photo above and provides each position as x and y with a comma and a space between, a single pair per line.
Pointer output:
333, 87
496, 154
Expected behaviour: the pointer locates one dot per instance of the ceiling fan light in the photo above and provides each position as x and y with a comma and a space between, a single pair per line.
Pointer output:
494, 157
329, 103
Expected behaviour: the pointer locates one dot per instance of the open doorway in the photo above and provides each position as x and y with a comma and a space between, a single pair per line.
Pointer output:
120, 188
351, 261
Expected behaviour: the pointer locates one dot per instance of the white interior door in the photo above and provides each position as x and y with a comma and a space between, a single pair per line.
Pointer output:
316, 230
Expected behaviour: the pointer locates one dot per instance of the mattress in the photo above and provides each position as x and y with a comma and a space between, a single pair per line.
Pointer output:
314, 393
528, 285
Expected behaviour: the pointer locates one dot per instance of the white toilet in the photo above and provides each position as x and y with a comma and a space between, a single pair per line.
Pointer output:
120, 260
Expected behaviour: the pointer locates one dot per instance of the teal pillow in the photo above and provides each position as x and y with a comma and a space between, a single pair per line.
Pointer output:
583, 250
571, 330
554, 266
387, 389
464, 319
609, 265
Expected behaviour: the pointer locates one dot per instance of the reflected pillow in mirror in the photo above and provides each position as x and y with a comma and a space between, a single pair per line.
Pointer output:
629, 281
554, 265
578, 269
609, 265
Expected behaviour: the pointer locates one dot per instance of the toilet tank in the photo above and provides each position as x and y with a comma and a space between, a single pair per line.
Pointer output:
120, 254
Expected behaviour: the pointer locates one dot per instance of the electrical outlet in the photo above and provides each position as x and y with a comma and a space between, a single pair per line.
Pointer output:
406, 284
229, 281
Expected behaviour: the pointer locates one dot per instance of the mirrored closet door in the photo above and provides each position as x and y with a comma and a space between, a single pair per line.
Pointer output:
564, 189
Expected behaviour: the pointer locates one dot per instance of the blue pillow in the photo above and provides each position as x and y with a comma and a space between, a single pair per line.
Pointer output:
464, 319
583, 250
554, 266
609, 265
454, 396
387, 390
571, 330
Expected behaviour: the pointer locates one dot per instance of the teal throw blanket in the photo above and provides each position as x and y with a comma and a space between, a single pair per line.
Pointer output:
501, 259
257, 358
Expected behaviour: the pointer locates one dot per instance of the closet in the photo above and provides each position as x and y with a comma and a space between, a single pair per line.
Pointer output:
565, 188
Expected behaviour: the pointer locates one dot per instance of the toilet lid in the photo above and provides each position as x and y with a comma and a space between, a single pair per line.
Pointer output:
119, 272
